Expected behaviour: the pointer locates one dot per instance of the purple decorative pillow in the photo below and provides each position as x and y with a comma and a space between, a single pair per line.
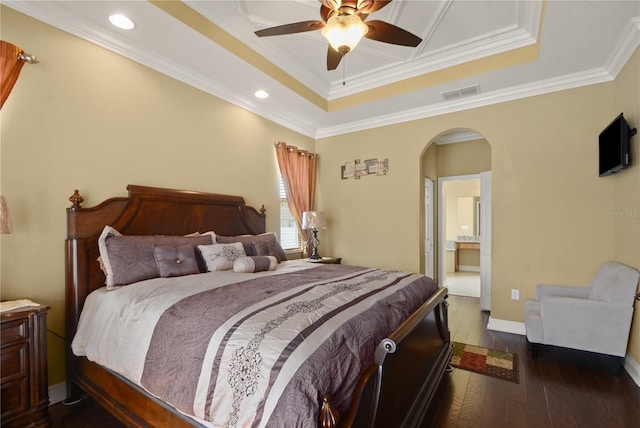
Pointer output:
265, 248
255, 264
128, 259
176, 261
248, 241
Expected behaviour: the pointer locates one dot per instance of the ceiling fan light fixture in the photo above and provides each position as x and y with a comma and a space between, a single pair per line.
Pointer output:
344, 32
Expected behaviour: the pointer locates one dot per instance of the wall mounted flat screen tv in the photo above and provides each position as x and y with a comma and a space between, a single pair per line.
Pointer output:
615, 146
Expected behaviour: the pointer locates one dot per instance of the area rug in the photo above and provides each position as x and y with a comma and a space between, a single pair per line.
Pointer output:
498, 364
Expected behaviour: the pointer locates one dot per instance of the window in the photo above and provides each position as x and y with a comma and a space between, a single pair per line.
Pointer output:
289, 236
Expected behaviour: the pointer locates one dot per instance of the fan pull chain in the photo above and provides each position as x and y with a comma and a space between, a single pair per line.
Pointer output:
344, 65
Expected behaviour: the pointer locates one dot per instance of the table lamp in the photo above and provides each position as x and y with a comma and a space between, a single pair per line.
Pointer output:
314, 220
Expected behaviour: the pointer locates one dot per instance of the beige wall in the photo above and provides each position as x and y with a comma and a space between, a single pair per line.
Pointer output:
87, 119
459, 207
626, 207
447, 160
548, 201
466, 158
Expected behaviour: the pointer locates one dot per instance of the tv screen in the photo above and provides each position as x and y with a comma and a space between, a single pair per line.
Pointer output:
615, 146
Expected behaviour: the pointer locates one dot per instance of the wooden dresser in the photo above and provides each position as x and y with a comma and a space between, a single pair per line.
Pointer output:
25, 392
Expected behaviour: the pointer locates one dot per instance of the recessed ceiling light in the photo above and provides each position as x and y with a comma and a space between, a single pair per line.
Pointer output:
262, 94
121, 21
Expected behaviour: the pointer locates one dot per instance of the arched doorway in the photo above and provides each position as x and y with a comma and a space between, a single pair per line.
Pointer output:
451, 156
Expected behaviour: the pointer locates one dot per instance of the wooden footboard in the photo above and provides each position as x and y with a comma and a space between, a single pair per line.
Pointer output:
128, 403
395, 391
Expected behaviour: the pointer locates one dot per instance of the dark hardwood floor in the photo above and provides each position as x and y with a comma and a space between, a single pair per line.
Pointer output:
562, 388
87, 414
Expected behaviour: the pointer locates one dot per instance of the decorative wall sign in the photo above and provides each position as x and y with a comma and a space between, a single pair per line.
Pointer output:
357, 169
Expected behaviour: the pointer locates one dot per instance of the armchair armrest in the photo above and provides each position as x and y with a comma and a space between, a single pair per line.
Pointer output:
584, 324
543, 290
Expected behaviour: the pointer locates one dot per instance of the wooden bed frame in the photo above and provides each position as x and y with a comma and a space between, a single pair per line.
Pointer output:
394, 391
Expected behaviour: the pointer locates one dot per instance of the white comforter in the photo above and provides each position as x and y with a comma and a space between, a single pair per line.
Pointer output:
123, 346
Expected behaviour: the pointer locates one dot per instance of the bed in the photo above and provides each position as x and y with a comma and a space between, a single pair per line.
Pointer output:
390, 382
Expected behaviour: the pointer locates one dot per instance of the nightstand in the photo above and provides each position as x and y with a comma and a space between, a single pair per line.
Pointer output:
25, 393
327, 260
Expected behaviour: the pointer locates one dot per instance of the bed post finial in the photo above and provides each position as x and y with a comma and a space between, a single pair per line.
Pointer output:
263, 210
76, 200
329, 415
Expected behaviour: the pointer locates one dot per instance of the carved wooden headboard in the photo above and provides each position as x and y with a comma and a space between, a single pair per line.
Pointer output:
146, 211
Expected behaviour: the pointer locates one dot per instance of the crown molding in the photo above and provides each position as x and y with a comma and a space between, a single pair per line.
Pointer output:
461, 53
590, 77
458, 137
523, 33
626, 46
628, 43
159, 64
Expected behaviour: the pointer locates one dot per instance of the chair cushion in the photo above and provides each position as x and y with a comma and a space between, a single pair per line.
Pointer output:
533, 321
614, 283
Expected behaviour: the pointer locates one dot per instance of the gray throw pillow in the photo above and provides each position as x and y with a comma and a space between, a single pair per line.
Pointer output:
247, 241
130, 258
176, 261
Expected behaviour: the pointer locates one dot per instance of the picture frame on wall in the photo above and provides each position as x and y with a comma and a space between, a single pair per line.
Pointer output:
356, 169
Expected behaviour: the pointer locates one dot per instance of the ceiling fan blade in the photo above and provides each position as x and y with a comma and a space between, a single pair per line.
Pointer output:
370, 6
333, 58
296, 27
388, 33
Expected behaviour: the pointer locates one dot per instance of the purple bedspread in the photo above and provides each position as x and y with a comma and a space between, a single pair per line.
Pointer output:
263, 352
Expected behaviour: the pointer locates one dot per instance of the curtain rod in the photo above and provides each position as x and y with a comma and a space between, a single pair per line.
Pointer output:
28, 58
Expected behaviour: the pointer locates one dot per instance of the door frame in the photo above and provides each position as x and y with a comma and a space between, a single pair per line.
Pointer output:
485, 280
485, 240
429, 229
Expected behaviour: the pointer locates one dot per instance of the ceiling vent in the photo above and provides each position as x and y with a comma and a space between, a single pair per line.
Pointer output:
462, 92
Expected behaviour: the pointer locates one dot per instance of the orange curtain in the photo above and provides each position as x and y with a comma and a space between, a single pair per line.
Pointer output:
298, 169
10, 68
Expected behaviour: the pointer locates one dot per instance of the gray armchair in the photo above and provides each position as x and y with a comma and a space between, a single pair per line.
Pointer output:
596, 318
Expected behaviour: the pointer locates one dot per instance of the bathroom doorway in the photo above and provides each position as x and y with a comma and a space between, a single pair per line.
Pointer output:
460, 224
459, 153
464, 218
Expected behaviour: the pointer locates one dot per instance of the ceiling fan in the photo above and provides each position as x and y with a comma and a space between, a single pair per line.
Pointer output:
343, 24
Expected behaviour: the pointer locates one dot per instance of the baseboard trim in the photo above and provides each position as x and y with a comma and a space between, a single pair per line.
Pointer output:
465, 268
506, 326
632, 367
57, 393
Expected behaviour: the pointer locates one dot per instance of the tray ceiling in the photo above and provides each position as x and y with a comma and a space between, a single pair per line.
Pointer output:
473, 53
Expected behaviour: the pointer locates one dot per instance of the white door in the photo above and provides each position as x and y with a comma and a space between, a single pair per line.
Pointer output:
428, 228
485, 241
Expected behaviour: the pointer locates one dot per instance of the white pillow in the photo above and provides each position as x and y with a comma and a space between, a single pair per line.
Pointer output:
104, 260
210, 233
221, 256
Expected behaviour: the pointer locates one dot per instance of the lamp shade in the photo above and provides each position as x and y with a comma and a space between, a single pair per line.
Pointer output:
5, 220
314, 220
344, 32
